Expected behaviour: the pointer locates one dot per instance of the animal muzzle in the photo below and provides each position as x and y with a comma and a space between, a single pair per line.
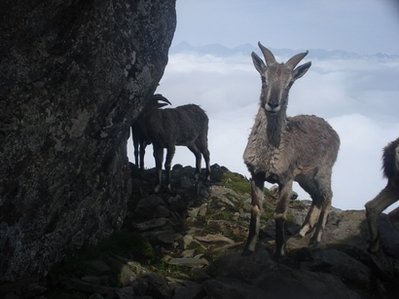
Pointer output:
272, 106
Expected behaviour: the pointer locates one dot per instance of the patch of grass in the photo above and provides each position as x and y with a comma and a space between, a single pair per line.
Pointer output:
268, 210
236, 182
168, 270
221, 215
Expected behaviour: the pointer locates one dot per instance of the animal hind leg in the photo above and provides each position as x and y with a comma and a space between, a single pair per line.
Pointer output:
323, 197
158, 155
194, 149
310, 220
321, 223
314, 211
257, 197
206, 155
168, 163
374, 208
203, 147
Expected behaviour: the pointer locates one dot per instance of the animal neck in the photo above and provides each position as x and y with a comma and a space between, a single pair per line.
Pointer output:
275, 127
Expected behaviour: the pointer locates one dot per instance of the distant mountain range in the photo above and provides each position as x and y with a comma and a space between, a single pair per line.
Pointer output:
246, 49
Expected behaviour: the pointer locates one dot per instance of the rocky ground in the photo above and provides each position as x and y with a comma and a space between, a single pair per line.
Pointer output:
186, 244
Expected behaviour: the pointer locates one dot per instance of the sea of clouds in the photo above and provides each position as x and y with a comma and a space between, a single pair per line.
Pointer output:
358, 96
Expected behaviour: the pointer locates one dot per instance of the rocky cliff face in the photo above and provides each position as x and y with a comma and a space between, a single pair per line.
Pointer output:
187, 244
73, 75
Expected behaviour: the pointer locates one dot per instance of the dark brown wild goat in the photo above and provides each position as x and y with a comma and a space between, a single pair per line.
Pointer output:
388, 195
139, 128
185, 125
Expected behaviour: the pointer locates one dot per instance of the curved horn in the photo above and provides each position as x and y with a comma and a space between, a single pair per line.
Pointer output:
269, 57
294, 60
159, 97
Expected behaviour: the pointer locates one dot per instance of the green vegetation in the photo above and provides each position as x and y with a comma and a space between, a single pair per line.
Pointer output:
236, 182
166, 269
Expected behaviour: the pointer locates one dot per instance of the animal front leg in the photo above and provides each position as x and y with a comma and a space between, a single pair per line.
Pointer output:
280, 217
143, 145
168, 163
257, 184
374, 208
158, 155
207, 164
136, 148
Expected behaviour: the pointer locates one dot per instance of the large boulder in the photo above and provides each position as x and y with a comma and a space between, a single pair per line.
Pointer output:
73, 76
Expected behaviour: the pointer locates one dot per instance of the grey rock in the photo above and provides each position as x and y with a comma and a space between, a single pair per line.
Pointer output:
74, 75
187, 239
97, 266
158, 287
151, 224
223, 197
258, 276
177, 203
342, 265
191, 262
189, 291
151, 207
123, 271
124, 293
96, 296
163, 236
211, 238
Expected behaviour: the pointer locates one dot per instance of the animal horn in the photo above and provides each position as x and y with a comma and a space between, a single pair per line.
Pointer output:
159, 97
294, 60
269, 57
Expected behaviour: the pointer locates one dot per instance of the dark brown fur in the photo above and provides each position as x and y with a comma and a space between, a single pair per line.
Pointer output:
388, 195
185, 125
139, 130
389, 160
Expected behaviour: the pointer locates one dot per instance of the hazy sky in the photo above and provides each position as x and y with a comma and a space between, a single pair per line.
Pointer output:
363, 26
358, 97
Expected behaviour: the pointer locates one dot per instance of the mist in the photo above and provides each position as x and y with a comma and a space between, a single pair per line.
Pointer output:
358, 97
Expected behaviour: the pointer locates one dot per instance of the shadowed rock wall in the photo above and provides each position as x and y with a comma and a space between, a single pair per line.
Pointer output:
73, 75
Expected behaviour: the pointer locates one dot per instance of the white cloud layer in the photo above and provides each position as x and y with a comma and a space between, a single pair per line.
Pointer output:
359, 98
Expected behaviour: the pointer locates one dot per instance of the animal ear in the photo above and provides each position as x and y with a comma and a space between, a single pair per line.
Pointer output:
258, 63
301, 70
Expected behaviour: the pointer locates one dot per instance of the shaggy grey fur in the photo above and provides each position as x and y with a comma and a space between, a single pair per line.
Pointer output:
283, 149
